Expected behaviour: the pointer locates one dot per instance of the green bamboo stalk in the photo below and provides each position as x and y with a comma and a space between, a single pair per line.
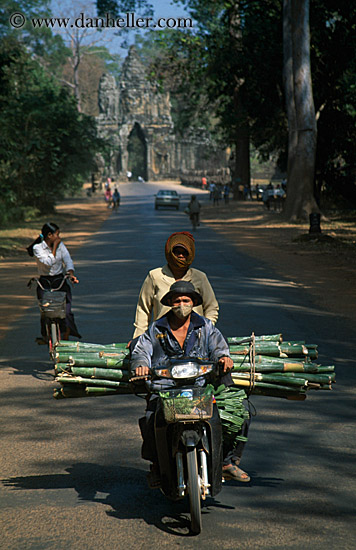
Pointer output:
266, 360
265, 338
287, 367
90, 360
281, 367
96, 372
273, 378
318, 378
272, 349
88, 347
67, 356
91, 382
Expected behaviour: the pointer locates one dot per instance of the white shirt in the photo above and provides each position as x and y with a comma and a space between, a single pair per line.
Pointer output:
47, 264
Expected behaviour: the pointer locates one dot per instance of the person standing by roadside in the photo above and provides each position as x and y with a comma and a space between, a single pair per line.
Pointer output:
212, 190
216, 194
226, 193
108, 197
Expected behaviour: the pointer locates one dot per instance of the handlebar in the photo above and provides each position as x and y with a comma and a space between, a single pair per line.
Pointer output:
36, 280
166, 371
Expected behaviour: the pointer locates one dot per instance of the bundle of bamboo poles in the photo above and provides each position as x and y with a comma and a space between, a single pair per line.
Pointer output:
86, 370
268, 366
263, 365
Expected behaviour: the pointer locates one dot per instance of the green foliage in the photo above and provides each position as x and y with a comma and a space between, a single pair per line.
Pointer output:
334, 76
46, 146
238, 46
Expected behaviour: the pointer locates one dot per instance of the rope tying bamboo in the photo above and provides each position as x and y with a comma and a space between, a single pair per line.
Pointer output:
252, 352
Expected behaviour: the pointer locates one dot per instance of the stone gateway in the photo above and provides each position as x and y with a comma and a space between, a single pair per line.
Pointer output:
136, 119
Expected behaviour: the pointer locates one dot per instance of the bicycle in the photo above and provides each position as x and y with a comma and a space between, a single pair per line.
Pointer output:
53, 310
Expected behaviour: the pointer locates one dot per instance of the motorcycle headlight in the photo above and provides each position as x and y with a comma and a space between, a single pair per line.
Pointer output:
185, 370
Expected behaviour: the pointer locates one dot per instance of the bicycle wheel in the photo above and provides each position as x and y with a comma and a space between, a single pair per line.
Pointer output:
53, 336
194, 491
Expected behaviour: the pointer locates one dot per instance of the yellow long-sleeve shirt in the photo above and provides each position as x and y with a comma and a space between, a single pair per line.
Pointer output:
158, 283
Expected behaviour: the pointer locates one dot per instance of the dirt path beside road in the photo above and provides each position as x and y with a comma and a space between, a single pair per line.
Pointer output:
78, 219
326, 269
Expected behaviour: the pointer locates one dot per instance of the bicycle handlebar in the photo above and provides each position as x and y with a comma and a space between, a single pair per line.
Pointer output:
35, 279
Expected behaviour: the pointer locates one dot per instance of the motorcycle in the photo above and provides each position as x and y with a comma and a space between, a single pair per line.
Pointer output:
187, 431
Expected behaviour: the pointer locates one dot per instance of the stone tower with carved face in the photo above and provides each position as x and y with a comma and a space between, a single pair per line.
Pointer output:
136, 117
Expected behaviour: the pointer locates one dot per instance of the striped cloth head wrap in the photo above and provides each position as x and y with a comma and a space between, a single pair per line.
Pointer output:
185, 240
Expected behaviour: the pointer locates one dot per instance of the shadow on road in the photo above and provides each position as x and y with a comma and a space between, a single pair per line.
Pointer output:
125, 490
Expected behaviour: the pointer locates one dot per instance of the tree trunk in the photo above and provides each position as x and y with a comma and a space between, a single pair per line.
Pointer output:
242, 168
302, 134
242, 149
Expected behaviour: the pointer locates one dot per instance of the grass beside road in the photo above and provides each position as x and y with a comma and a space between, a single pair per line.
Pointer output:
76, 217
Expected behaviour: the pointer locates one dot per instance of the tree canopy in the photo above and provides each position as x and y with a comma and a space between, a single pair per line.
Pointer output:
46, 146
227, 74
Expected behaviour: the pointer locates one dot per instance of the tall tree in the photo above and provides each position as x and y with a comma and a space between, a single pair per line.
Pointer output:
46, 146
302, 130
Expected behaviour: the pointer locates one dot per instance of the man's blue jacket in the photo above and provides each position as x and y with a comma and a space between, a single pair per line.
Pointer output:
158, 344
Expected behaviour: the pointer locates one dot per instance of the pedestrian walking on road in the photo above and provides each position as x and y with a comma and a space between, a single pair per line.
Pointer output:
216, 194
194, 211
116, 199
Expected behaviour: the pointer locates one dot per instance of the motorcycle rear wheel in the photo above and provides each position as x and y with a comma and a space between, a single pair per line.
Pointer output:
194, 491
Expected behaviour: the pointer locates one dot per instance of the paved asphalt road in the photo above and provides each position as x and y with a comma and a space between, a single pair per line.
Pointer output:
71, 473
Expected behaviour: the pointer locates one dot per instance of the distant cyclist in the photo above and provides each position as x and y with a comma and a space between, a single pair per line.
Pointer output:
53, 261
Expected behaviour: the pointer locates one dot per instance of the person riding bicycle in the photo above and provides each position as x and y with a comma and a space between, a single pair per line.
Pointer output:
182, 333
53, 260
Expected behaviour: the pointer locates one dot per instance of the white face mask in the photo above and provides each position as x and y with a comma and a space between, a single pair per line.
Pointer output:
183, 310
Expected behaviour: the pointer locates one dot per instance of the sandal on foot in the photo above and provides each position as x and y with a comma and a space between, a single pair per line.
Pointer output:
154, 478
233, 472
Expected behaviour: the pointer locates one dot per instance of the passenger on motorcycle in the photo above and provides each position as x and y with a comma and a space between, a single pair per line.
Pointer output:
180, 253
53, 260
180, 333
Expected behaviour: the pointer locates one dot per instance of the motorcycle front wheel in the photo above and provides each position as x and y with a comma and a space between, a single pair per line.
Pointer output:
194, 491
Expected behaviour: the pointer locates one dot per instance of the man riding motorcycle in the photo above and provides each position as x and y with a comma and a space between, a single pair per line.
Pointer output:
180, 333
